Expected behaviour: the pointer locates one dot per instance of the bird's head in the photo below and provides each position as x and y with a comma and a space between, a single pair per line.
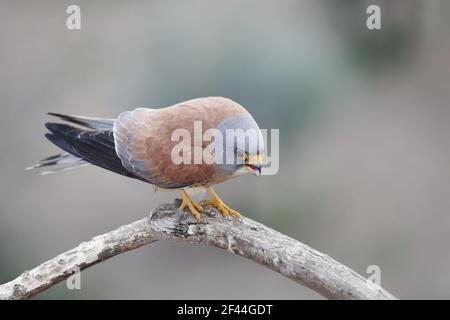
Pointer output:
243, 145
248, 162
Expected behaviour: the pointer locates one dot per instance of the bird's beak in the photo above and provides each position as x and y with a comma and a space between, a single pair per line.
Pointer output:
255, 169
254, 164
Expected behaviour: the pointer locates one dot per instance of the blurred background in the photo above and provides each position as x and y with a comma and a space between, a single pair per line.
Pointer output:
364, 136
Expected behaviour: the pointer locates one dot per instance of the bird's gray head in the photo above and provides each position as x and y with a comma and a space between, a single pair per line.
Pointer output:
242, 145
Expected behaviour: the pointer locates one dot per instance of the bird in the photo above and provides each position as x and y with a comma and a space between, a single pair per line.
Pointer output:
140, 144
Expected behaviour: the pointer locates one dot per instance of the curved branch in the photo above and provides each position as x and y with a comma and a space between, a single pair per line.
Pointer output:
244, 237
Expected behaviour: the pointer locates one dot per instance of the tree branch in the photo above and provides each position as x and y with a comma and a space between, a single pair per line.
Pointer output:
244, 237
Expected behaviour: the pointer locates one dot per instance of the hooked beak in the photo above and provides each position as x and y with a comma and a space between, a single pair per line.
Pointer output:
255, 169
254, 164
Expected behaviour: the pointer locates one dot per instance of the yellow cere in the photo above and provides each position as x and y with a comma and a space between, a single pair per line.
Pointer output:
255, 159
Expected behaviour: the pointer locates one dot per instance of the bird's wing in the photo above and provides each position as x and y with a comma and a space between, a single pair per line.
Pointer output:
142, 145
127, 130
88, 122
96, 147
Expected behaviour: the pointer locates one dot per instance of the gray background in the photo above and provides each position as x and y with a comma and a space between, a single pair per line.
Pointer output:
363, 118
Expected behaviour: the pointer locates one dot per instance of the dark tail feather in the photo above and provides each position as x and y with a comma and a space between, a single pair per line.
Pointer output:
96, 147
59, 134
60, 162
91, 123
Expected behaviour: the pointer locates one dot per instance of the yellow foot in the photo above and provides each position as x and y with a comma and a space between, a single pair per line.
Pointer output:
220, 205
194, 206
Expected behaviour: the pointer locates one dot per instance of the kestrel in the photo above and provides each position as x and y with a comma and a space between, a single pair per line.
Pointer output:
142, 144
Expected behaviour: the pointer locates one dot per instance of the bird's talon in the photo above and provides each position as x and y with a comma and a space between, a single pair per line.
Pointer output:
193, 206
217, 203
197, 206
235, 214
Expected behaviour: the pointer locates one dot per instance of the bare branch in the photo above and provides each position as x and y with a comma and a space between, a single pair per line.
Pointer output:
244, 237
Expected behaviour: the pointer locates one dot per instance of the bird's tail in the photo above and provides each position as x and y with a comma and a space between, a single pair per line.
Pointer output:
67, 160
60, 162
82, 146
91, 123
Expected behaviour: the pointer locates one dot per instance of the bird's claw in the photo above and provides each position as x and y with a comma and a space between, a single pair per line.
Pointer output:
194, 206
196, 209
222, 207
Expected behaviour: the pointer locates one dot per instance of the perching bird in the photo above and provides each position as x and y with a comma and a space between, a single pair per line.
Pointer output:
139, 144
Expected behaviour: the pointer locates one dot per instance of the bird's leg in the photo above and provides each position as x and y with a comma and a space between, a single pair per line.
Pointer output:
220, 205
194, 206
